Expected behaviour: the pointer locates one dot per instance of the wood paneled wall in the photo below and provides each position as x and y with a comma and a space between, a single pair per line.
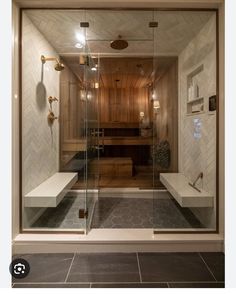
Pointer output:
71, 107
166, 118
123, 104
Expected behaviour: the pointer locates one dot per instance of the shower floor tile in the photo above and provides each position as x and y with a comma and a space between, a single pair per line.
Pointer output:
64, 216
115, 212
142, 213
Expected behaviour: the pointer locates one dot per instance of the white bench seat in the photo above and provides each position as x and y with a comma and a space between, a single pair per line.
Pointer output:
178, 186
51, 191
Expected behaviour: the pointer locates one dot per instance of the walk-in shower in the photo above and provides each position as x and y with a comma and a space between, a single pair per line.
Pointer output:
114, 135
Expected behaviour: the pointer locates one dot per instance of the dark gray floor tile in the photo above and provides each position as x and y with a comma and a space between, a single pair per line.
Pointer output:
171, 267
46, 267
66, 285
197, 285
138, 213
216, 263
104, 267
131, 285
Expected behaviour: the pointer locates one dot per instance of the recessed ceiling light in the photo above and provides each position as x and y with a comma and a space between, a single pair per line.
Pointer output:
93, 68
79, 45
81, 40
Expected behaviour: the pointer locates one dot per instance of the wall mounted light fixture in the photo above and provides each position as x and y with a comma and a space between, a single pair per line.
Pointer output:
156, 104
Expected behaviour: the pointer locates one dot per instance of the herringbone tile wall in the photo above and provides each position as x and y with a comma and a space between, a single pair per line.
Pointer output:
40, 141
199, 155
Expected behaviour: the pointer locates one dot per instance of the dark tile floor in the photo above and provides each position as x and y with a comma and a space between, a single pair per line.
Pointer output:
142, 213
124, 270
64, 216
119, 213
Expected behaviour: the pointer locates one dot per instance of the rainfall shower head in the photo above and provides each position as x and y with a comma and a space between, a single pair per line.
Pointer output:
58, 66
119, 44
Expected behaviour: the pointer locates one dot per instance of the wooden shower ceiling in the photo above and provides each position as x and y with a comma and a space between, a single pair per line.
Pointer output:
132, 72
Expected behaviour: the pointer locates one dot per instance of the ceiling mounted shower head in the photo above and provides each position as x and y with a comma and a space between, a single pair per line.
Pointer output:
58, 66
119, 44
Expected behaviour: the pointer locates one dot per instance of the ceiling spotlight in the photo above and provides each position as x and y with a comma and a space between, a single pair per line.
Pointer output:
81, 41
79, 45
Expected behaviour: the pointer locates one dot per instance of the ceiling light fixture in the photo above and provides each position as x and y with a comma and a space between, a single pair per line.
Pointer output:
81, 41
79, 45
94, 68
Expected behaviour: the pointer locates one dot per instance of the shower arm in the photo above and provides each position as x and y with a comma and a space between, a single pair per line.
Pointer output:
44, 59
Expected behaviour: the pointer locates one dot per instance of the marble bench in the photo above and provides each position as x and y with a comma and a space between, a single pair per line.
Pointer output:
178, 186
52, 191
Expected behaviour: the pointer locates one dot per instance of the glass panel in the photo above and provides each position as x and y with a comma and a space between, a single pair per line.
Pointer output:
92, 129
125, 106
54, 130
184, 149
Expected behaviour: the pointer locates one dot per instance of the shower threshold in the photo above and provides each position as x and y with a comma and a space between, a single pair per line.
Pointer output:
117, 240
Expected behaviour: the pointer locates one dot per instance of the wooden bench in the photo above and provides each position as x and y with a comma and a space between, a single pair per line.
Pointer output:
52, 191
184, 194
113, 166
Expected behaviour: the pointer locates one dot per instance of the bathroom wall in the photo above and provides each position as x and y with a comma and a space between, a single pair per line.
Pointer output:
40, 140
198, 154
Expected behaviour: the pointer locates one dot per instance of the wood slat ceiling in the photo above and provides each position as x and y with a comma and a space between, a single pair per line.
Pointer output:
131, 72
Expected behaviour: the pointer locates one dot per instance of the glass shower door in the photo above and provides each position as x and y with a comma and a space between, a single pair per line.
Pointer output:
92, 131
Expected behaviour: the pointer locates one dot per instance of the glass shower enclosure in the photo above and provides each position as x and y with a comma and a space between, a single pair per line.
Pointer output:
62, 53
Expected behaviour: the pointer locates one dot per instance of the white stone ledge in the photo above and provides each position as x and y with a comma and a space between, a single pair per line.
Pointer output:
52, 191
178, 186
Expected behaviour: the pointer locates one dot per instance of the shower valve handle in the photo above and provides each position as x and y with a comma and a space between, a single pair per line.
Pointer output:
51, 116
51, 99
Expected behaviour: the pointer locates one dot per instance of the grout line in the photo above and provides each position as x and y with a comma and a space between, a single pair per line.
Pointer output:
90, 285
69, 269
207, 266
168, 285
140, 276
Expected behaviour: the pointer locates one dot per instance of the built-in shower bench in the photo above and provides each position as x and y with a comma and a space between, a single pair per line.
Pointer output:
52, 191
178, 186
